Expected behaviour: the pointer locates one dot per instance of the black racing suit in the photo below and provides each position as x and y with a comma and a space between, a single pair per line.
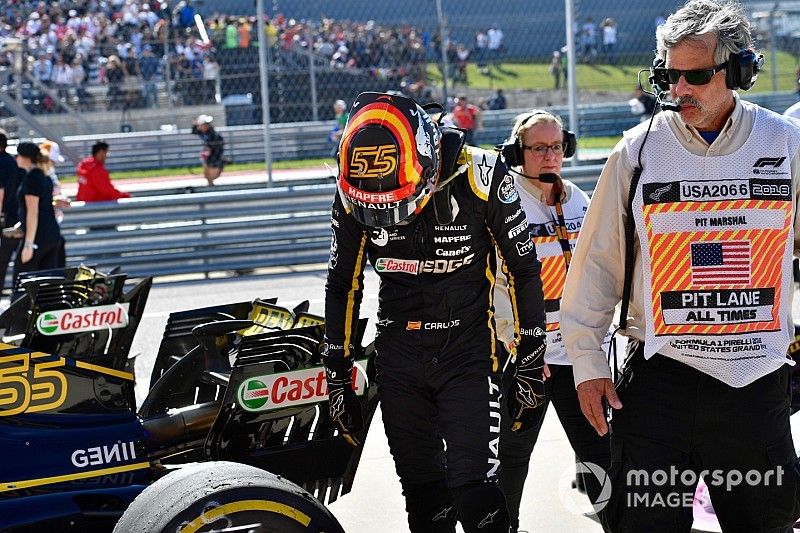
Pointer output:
438, 370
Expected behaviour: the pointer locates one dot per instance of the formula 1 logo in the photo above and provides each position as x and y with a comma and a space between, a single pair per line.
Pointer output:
288, 389
769, 162
95, 318
373, 161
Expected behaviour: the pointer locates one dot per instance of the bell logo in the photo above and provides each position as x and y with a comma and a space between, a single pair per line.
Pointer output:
48, 323
100, 317
255, 394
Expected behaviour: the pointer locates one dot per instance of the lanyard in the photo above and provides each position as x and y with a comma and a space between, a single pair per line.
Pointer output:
563, 236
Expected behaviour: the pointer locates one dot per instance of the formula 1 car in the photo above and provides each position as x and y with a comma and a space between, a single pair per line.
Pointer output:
234, 431
76, 312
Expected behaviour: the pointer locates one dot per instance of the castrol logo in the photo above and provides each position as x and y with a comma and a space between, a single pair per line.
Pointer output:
83, 319
288, 389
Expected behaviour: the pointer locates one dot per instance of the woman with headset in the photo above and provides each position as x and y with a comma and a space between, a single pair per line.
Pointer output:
553, 209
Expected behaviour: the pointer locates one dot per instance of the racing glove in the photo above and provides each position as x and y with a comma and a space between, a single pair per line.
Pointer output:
528, 394
345, 409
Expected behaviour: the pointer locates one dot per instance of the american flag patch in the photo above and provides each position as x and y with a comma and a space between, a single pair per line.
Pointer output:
720, 263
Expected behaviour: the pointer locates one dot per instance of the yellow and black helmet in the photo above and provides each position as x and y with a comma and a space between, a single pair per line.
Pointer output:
389, 159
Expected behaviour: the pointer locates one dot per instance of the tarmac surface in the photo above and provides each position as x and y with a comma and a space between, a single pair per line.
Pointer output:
375, 503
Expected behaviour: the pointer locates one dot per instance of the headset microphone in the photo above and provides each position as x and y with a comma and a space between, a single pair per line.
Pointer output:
544, 178
666, 105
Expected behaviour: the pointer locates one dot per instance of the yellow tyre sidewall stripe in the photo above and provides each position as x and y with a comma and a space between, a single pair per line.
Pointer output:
246, 505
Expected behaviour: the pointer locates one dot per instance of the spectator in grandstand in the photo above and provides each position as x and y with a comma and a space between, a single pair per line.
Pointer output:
9, 182
149, 65
133, 77
79, 79
340, 115
642, 103
94, 182
496, 102
211, 70
588, 40
62, 78
461, 57
114, 76
467, 117
183, 14
555, 69
609, 40
243, 33
481, 50
43, 68
495, 37
39, 249
231, 34
213, 147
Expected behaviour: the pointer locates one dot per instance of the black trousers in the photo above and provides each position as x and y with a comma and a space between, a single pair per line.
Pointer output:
45, 257
429, 400
7, 248
516, 448
677, 424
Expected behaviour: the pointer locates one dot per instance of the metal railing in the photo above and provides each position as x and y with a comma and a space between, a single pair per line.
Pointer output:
215, 231
245, 144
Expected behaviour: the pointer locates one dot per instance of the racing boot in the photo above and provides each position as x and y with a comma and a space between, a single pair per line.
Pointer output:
430, 508
482, 508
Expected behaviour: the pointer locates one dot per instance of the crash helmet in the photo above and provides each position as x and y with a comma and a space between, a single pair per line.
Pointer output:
389, 159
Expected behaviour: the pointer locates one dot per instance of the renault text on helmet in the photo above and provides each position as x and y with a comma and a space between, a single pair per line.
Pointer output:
388, 159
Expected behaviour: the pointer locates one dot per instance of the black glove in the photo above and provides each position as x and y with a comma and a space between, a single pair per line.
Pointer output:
528, 394
345, 409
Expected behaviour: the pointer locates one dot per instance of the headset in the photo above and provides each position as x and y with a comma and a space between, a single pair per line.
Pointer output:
511, 149
741, 71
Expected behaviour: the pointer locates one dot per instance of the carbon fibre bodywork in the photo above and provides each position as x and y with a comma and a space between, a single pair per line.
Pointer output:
240, 382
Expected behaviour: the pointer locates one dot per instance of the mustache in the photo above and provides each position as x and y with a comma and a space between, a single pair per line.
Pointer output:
688, 100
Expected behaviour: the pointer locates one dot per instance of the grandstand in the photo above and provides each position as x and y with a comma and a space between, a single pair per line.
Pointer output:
84, 67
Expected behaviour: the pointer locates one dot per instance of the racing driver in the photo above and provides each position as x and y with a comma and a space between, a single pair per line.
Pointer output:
429, 213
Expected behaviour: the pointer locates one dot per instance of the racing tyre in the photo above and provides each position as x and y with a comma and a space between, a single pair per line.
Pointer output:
223, 496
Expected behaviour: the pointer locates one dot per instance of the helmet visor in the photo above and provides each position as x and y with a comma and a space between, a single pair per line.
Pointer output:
380, 210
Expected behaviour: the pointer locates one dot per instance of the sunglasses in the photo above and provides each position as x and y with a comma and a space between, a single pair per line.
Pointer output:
671, 76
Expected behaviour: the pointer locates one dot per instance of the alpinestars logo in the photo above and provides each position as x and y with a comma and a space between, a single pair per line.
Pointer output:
442, 515
488, 519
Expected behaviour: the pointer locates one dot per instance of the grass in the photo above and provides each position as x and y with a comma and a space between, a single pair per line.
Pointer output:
600, 77
527, 75
198, 170
587, 142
